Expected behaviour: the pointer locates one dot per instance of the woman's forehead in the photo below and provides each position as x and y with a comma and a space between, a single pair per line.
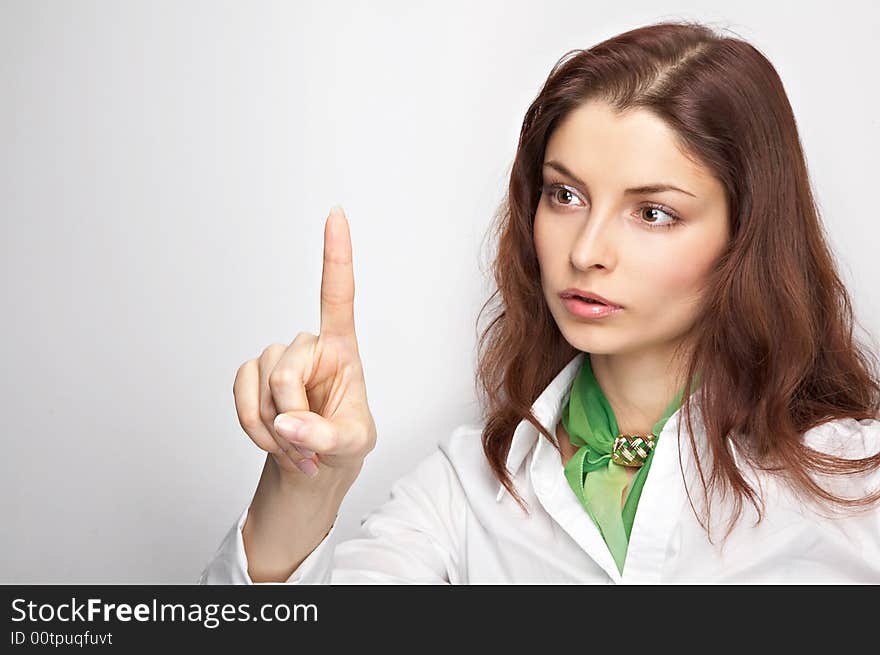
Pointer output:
626, 150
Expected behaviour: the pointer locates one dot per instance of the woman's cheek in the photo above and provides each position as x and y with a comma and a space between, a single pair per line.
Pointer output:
547, 248
681, 271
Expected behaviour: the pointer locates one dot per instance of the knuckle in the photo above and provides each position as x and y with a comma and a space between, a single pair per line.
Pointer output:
303, 337
267, 412
329, 444
323, 440
271, 349
369, 438
250, 422
367, 443
335, 298
280, 378
239, 373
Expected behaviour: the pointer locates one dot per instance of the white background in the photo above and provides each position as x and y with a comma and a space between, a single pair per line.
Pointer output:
166, 169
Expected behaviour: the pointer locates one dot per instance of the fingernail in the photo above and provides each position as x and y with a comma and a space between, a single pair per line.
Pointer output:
308, 467
305, 452
338, 209
287, 426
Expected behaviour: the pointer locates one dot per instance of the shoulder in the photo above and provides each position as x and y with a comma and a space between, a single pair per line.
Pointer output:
463, 450
852, 440
440, 473
845, 437
461, 443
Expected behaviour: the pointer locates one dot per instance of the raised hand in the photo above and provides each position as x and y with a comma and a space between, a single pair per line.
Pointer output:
306, 403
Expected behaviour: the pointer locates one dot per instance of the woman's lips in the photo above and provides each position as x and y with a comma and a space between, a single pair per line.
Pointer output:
584, 309
573, 292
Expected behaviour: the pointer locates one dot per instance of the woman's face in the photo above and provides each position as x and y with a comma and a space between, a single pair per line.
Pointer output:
595, 236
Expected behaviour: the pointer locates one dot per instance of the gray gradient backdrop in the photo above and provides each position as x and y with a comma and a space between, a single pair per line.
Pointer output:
167, 168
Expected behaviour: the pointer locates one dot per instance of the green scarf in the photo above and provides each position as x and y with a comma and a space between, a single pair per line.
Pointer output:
597, 481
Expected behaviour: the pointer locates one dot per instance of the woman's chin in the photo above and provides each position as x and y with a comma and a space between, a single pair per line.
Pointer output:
596, 346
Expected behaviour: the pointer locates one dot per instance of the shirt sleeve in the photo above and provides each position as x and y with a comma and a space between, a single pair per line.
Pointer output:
414, 537
229, 564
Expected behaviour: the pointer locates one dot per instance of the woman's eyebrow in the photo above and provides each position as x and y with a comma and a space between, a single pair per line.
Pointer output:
648, 188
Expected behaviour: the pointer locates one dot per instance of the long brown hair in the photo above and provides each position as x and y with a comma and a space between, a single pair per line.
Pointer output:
762, 385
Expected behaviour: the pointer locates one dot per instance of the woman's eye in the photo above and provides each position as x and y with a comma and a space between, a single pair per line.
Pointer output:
559, 194
651, 215
654, 210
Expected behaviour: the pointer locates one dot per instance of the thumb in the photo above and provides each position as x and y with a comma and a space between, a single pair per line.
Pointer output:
309, 430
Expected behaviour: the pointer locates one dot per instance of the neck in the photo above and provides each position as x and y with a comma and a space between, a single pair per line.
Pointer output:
638, 386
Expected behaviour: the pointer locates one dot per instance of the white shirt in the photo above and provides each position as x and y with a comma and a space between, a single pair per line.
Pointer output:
451, 521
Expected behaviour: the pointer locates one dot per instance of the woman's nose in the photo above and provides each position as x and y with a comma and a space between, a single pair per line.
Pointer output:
595, 243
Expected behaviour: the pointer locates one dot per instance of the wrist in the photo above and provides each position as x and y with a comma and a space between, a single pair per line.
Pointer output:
329, 484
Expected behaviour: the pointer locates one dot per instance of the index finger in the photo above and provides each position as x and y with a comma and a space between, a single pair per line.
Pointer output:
337, 278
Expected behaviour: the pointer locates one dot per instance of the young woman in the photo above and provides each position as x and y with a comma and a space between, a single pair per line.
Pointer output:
671, 340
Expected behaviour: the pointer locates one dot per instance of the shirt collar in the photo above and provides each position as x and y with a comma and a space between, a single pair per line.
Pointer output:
547, 410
